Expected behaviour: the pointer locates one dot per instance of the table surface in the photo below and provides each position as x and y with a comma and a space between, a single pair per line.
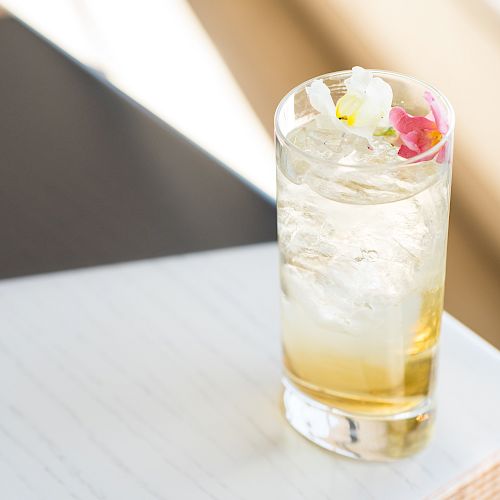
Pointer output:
159, 379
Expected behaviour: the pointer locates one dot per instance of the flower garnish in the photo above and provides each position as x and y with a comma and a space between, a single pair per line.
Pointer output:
361, 110
418, 133
321, 100
366, 104
365, 110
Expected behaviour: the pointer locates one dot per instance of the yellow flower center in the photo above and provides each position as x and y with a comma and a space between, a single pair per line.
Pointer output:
435, 136
347, 108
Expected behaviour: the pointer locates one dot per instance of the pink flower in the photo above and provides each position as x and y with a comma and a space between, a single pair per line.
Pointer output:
417, 133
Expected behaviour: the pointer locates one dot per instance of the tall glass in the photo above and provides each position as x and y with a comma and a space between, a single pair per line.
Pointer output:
362, 238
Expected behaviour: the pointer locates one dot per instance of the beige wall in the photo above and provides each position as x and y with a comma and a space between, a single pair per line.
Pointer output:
272, 45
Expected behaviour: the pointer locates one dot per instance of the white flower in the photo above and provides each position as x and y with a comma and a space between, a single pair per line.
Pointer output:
361, 110
321, 100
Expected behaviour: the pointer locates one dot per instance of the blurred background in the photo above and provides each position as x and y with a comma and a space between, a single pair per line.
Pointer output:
216, 69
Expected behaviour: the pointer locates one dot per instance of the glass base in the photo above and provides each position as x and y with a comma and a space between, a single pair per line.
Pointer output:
375, 438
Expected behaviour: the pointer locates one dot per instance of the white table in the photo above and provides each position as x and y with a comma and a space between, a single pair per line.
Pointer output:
161, 380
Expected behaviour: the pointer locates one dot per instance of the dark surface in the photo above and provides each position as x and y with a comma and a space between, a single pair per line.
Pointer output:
88, 178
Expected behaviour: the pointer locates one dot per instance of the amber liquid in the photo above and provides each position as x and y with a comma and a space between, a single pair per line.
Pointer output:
362, 375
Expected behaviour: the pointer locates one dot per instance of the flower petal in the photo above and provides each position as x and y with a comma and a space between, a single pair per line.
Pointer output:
438, 112
412, 141
406, 152
405, 123
359, 80
320, 98
382, 92
443, 153
376, 106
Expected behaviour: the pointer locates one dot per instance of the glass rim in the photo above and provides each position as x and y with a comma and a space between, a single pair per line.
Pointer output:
376, 72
